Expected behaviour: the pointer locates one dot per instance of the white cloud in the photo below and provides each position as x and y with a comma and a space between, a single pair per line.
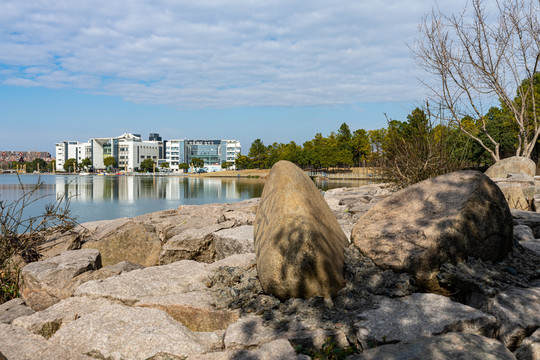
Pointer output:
215, 54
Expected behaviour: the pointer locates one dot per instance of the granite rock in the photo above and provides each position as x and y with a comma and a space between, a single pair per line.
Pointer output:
121, 332
449, 346
298, 241
420, 315
44, 283
19, 344
237, 240
14, 309
445, 219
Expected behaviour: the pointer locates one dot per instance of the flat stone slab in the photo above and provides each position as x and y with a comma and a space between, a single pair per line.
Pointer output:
134, 242
48, 321
238, 240
518, 311
417, 315
523, 233
13, 309
19, 344
122, 332
249, 333
449, 346
275, 350
529, 218
177, 278
194, 309
46, 282
192, 244
533, 245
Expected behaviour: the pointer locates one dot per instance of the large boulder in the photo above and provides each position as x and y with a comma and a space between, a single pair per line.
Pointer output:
44, 283
512, 165
134, 242
298, 241
440, 220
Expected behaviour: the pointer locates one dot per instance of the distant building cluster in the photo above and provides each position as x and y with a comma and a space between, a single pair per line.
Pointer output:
129, 151
24, 156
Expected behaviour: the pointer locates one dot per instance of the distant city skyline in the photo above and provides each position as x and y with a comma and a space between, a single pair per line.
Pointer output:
277, 71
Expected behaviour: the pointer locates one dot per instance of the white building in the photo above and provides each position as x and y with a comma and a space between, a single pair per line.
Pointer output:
128, 150
71, 150
212, 152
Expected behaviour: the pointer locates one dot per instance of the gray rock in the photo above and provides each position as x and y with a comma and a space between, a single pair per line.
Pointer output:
449, 346
238, 240
196, 310
129, 288
523, 233
19, 344
13, 309
44, 283
275, 350
179, 289
420, 315
134, 242
531, 219
530, 348
512, 165
103, 273
518, 312
240, 217
97, 230
192, 244
122, 332
445, 219
523, 178
515, 196
48, 321
249, 333
533, 245
298, 241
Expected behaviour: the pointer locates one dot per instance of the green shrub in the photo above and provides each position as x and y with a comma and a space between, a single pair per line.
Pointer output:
328, 351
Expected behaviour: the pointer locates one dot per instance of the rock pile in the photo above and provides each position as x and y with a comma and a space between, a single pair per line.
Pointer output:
515, 177
201, 297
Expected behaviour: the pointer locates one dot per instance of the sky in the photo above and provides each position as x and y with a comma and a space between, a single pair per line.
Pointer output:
276, 70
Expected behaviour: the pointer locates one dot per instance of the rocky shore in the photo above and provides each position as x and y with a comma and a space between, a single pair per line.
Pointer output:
185, 284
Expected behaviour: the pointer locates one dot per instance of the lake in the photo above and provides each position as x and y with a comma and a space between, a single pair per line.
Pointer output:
109, 197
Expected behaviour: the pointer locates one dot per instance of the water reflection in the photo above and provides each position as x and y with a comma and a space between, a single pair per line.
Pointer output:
110, 197
131, 188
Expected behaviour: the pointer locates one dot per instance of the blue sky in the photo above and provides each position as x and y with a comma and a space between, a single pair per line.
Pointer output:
274, 70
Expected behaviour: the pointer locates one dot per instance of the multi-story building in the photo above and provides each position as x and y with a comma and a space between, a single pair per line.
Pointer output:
129, 150
212, 152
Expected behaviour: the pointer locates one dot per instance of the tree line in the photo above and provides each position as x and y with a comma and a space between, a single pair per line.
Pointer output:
421, 146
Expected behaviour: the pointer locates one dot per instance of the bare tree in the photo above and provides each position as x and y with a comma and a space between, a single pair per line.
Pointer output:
477, 56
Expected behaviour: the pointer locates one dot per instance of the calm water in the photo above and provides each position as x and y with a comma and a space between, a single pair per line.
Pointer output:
110, 197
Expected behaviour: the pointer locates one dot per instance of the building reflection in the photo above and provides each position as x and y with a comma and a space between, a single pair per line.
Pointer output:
131, 188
